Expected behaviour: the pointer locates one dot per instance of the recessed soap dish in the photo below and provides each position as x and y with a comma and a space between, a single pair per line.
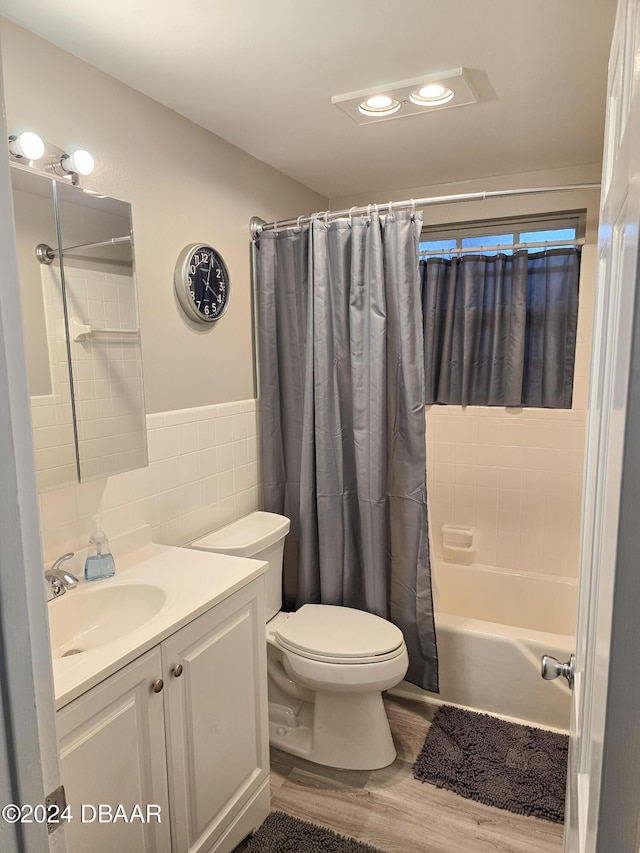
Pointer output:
458, 544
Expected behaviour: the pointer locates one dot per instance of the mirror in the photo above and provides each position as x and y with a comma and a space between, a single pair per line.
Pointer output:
82, 336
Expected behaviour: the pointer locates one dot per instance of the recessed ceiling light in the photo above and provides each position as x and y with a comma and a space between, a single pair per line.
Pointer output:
439, 90
379, 105
431, 95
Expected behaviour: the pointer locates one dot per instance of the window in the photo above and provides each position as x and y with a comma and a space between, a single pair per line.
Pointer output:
499, 324
503, 236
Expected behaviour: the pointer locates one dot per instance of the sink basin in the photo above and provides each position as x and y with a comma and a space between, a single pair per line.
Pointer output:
89, 617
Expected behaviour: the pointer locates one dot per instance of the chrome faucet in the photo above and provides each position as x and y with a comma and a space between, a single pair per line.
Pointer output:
59, 580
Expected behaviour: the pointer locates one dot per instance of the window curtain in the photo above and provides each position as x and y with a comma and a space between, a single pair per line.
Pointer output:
343, 430
501, 330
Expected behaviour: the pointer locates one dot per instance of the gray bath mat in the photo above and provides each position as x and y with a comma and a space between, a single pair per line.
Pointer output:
281, 833
518, 768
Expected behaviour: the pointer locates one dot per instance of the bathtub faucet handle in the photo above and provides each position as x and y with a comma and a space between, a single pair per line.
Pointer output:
551, 668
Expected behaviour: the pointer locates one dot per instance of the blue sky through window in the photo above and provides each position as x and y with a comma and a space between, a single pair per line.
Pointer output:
484, 242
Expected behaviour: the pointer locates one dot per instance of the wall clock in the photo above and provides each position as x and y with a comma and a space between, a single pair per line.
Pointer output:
202, 283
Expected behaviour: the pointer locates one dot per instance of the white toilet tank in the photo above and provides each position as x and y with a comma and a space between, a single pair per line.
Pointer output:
260, 536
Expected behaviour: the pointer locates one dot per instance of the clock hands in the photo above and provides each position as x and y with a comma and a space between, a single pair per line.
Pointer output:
207, 286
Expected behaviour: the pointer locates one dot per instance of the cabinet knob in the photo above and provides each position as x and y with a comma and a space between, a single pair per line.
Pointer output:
177, 670
157, 685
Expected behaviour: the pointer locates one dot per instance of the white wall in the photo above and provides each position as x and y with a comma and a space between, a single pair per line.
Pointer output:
185, 185
513, 475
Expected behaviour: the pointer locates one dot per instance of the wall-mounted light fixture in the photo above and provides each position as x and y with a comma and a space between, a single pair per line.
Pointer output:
28, 149
408, 97
26, 145
80, 162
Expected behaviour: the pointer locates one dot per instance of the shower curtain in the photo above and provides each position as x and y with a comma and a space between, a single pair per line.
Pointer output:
343, 428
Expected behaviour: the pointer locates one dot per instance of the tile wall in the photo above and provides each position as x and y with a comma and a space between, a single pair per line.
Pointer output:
107, 370
202, 473
51, 415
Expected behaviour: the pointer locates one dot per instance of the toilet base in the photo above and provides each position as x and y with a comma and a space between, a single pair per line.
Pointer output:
345, 730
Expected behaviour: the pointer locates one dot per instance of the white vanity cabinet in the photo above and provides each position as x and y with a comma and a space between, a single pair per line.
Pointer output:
112, 751
198, 748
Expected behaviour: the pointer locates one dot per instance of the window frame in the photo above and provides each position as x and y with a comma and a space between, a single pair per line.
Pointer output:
491, 228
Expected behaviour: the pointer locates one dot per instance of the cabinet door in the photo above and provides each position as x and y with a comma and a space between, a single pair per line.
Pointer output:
216, 722
112, 752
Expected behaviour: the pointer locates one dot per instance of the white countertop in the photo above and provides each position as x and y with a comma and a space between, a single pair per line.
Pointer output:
192, 581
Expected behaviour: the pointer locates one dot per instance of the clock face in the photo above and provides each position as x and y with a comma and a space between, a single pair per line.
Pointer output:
202, 283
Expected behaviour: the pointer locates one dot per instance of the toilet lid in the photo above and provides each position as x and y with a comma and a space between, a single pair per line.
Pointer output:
342, 634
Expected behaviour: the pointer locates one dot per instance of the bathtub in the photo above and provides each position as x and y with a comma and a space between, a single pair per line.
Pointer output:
492, 628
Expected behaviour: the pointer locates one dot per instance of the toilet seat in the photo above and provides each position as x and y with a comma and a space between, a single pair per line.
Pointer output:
339, 635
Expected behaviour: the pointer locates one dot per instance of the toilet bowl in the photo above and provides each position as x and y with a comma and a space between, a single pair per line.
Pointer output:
327, 665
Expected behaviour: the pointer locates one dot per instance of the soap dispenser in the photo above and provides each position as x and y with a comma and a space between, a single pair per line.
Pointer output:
99, 563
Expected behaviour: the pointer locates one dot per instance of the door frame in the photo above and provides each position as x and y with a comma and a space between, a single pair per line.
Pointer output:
28, 746
603, 802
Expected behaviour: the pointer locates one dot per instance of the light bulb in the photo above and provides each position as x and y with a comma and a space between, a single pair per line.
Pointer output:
434, 90
379, 102
379, 105
27, 145
431, 95
80, 162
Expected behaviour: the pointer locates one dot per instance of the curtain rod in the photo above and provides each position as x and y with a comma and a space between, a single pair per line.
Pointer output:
258, 225
542, 244
45, 254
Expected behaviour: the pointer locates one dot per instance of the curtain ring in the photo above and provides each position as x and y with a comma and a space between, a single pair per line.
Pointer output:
326, 217
355, 207
298, 220
390, 206
413, 209
275, 227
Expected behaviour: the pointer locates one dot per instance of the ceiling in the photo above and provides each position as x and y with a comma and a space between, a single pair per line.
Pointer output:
261, 75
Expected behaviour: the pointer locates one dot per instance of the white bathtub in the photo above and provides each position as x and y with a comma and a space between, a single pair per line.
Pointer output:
492, 628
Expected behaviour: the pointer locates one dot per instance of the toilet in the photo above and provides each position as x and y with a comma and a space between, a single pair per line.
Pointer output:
327, 665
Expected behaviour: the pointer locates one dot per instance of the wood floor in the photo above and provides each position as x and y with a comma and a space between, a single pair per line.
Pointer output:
394, 812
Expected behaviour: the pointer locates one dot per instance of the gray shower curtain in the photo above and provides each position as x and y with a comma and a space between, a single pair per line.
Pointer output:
343, 430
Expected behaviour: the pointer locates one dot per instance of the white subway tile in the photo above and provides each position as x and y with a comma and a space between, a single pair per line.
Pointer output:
224, 456
225, 485
511, 457
243, 503
464, 505
167, 473
189, 497
239, 426
252, 426
187, 437
189, 467
510, 479
169, 505
241, 479
465, 475
206, 434
209, 490
224, 430
443, 472
180, 416
240, 452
